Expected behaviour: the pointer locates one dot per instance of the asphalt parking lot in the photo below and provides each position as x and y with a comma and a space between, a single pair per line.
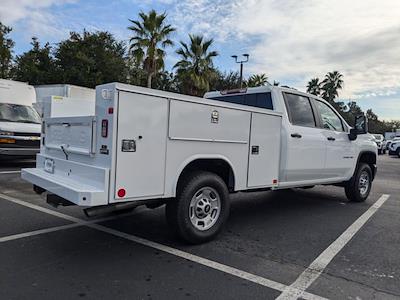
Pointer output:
309, 244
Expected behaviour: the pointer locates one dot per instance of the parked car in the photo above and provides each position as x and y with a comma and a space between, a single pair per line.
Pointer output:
20, 124
152, 147
389, 142
380, 143
394, 148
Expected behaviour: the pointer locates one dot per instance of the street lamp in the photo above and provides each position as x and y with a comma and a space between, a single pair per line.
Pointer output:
241, 62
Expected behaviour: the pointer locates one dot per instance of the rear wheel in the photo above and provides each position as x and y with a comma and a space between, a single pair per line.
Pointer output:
201, 208
357, 189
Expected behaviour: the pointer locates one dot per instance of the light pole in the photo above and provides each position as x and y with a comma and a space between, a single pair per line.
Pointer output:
241, 62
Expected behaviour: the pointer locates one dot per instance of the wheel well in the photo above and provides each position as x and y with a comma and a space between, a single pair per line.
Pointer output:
370, 159
217, 166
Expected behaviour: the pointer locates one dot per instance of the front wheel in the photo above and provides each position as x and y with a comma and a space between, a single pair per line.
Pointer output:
201, 208
358, 188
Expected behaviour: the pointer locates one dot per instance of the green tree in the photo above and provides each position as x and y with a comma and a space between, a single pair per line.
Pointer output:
225, 81
6, 46
257, 80
36, 66
332, 83
151, 37
166, 81
195, 70
136, 75
90, 59
314, 86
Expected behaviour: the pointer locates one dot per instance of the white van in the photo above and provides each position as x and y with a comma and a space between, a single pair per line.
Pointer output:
20, 124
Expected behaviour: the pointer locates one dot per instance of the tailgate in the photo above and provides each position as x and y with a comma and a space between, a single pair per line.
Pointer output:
71, 134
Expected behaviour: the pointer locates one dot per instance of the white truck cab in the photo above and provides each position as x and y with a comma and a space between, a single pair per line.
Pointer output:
151, 147
19, 122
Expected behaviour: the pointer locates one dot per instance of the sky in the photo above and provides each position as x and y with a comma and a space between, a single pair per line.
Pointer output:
291, 41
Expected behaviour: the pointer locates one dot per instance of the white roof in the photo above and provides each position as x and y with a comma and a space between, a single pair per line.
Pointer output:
16, 92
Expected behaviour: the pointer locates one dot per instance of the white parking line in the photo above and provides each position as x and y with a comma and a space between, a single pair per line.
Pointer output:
314, 270
176, 252
10, 172
58, 228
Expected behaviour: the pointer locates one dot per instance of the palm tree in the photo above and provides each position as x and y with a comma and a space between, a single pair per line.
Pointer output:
195, 69
314, 86
331, 85
257, 80
151, 37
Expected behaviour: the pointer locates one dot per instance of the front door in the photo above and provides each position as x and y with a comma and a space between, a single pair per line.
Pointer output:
340, 154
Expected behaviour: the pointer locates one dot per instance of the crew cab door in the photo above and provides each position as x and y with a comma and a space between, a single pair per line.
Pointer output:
340, 151
305, 141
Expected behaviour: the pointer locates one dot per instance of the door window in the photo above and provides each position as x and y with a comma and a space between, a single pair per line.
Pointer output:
330, 119
299, 110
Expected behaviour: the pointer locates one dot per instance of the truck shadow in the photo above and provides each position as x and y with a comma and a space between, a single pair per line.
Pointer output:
258, 216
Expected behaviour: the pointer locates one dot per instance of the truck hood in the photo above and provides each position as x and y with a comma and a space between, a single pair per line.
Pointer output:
20, 127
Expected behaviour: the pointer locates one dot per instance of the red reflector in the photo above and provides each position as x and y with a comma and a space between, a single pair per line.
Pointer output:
110, 110
121, 193
275, 181
104, 128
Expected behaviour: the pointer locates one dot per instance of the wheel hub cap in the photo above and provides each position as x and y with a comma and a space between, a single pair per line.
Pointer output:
363, 183
205, 208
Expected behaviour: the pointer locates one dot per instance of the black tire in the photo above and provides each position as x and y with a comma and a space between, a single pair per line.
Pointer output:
352, 189
178, 210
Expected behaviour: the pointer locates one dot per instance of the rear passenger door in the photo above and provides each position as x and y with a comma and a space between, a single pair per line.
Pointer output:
305, 142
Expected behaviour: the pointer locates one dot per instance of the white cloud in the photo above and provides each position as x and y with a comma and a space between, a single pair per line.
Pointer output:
296, 40
35, 16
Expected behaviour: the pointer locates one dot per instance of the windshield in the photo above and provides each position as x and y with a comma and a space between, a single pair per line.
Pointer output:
18, 113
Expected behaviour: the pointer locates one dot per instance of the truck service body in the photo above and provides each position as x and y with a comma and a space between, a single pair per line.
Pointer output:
149, 147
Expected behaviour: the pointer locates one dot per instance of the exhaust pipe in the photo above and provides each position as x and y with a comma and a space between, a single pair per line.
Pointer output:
111, 208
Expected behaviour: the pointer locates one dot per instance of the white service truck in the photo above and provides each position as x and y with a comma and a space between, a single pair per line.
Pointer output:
151, 147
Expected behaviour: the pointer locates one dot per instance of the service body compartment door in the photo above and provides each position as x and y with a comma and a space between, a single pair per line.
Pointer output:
141, 145
264, 150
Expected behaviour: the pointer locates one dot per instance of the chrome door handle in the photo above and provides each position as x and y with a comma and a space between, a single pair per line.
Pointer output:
296, 135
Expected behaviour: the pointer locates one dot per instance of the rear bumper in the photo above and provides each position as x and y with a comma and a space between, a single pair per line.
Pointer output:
81, 184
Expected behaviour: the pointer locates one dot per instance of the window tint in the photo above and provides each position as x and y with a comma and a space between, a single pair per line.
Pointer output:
300, 110
262, 100
330, 119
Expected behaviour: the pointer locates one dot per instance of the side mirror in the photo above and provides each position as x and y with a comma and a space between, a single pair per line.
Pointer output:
360, 127
353, 134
